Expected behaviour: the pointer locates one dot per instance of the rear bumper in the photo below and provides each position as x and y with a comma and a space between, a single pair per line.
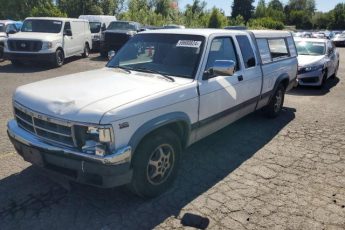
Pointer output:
30, 56
97, 172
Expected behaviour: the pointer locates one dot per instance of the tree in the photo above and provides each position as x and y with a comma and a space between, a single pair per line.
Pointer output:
276, 5
338, 16
195, 14
244, 8
217, 19
260, 10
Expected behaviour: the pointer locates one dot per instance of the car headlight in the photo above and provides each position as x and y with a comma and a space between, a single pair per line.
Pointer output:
313, 68
47, 45
96, 37
95, 140
131, 33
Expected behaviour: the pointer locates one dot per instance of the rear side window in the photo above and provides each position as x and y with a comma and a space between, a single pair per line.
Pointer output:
292, 47
278, 48
247, 51
264, 50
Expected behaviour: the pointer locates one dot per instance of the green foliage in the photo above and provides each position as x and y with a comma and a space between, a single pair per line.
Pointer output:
217, 19
244, 8
338, 16
48, 11
261, 9
276, 5
238, 21
267, 22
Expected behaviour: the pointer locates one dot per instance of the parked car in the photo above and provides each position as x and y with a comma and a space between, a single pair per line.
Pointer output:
129, 122
98, 24
173, 26
49, 39
7, 27
318, 59
236, 28
339, 40
318, 35
117, 34
303, 34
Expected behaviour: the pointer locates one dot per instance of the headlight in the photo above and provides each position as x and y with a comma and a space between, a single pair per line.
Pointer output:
313, 68
131, 33
95, 140
47, 45
96, 37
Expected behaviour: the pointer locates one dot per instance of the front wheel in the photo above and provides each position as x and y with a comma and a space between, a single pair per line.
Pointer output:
275, 106
155, 164
1, 53
59, 58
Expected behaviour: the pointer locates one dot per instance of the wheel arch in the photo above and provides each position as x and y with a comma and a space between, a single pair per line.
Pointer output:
178, 122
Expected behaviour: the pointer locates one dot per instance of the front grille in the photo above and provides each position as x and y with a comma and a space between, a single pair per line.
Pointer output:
116, 40
24, 45
47, 130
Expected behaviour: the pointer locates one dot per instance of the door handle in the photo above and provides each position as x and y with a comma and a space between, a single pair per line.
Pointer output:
240, 78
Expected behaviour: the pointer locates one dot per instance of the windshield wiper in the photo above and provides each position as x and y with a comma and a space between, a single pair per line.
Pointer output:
156, 72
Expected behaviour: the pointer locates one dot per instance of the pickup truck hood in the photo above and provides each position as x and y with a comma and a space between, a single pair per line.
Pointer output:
85, 97
35, 36
308, 60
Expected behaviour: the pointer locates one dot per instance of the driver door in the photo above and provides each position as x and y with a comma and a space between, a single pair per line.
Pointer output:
67, 40
222, 97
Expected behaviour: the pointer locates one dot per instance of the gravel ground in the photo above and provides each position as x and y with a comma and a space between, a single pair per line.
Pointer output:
287, 173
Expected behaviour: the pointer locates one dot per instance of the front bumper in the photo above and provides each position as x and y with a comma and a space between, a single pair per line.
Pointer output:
29, 56
313, 78
110, 171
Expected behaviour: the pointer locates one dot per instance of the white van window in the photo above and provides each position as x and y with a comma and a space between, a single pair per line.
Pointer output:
292, 46
278, 48
264, 50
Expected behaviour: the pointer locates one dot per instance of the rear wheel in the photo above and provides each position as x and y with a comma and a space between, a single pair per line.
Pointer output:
59, 58
1, 53
86, 51
275, 106
155, 164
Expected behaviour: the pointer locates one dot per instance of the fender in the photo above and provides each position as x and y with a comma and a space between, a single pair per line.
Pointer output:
283, 77
157, 123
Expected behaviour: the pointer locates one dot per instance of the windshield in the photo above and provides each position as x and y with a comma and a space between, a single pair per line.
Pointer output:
95, 27
121, 26
169, 54
2, 27
41, 26
310, 48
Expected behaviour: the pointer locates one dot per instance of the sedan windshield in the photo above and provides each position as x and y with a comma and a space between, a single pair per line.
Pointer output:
121, 26
2, 27
310, 48
166, 54
95, 27
41, 26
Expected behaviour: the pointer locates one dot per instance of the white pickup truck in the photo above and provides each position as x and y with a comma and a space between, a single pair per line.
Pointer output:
163, 91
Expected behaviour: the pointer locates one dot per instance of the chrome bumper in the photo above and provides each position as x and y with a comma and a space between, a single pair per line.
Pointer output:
120, 156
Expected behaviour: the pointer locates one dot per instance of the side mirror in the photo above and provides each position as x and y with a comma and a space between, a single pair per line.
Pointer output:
67, 32
220, 68
11, 32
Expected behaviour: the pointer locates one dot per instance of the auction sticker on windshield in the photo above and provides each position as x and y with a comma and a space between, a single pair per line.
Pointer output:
188, 43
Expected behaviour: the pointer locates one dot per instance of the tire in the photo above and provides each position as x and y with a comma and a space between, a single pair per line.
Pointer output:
1, 53
273, 109
16, 63
104, 54
86, 51
155, 164
59, 58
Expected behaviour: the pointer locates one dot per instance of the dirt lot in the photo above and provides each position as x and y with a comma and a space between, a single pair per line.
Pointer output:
287, 173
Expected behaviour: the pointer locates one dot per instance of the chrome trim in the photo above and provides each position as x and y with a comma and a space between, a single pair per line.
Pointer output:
120, 156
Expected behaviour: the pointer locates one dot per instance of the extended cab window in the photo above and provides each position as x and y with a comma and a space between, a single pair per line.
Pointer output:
67, 27
247, 51
292, 47
278, 48
221, 49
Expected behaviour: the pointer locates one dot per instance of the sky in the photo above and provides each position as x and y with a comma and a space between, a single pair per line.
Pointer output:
321, 5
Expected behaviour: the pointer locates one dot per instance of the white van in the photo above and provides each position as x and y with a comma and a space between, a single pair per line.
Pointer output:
98, 24
49, 39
